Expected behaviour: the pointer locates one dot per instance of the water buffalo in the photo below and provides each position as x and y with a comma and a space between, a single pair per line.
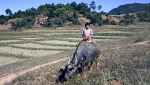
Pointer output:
84, 56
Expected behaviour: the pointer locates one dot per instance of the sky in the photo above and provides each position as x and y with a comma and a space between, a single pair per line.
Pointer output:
107, 5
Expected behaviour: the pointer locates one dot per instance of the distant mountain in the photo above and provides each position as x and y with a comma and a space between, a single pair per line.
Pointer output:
130, 8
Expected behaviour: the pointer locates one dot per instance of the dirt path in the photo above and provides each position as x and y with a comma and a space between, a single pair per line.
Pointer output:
12, 76
141, 43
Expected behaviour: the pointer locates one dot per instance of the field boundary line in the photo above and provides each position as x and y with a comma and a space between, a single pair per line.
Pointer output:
12, 76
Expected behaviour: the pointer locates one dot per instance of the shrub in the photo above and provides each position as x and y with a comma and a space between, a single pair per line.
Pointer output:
2, 22
112, 22
26, 23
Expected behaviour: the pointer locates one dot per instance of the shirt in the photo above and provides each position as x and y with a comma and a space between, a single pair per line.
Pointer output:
87, 32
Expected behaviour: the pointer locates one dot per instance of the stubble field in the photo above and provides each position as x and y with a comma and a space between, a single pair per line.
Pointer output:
124, 61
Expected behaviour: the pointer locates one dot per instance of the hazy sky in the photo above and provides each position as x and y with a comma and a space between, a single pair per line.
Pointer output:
16, 5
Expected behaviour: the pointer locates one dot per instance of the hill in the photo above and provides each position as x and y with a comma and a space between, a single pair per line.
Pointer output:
62, 15
53, 16
130, 8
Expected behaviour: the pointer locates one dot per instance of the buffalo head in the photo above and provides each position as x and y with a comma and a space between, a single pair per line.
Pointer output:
68, 72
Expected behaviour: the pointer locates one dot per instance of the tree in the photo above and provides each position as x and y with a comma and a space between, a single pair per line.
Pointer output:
59, 5
60, 23
129, 19
83, 9
31, 13
9, 13
96, 19
106, 22
127, 16
2, 21
75, 21
93, 6
102, 12
69, 8
119, 13
75, 14
99, 7
19, 14
60, 11
74, 5
63, 18
112, 22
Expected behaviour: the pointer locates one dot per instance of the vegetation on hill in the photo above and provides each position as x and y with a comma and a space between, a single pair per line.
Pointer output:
130, 8
132, 18
51, 15
144, 16
60, 15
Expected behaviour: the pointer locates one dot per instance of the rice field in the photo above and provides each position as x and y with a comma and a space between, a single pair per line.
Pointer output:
109, 37
7, 60
39, 46
26, 52
58, 42
31, 38
113, 32
8, 41
79, 39
46, 44
51, 31
38, 43
62, 33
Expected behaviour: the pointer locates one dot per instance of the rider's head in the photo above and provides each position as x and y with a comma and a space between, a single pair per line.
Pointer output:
87, 25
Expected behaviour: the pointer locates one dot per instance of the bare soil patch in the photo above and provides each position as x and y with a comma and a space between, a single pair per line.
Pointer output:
4, 27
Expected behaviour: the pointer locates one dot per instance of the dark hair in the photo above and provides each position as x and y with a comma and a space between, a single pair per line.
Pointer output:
87, 24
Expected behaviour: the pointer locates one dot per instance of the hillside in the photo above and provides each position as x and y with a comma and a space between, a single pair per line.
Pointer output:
130, 8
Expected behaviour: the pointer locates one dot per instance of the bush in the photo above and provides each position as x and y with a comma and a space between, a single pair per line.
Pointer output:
112, 22
2, 22
60, 23
26, 23
144, 16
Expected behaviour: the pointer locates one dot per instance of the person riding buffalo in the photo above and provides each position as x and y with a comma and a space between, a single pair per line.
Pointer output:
87, 33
